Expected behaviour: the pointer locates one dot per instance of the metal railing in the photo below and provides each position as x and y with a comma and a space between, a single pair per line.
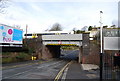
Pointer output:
111, 66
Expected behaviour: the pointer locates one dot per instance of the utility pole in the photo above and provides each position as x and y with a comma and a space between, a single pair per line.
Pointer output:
101, 52
26, 31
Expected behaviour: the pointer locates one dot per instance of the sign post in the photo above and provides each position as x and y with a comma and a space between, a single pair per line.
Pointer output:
101, 53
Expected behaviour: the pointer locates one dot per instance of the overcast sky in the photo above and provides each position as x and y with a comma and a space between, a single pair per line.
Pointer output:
40, 15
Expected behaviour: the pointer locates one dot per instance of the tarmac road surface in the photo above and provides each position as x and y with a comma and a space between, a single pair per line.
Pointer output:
46, 70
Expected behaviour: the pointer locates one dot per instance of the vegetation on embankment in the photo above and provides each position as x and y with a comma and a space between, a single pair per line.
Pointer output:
10, 57
69, 47
31, 47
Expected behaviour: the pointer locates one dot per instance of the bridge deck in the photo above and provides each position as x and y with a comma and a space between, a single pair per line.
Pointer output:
67, 39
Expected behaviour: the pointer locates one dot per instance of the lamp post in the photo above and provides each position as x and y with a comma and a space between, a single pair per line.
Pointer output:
101, 52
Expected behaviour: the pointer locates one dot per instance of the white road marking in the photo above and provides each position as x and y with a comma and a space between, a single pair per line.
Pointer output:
64, 74
61, 71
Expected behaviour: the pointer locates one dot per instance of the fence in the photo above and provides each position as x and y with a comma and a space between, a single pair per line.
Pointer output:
111, 66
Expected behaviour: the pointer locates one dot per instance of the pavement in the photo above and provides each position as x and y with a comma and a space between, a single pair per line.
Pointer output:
82, 71
89, 66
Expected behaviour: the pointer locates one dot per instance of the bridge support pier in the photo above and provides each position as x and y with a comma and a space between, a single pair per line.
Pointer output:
85, 48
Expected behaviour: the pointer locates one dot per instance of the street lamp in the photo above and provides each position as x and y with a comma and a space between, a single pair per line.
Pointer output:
101, 52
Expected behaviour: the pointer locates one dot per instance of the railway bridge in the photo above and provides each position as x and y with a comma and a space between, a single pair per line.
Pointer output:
52, 44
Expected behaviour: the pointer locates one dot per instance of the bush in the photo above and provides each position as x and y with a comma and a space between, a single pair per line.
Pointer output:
69, 47
10, 57
7, 60
5, 53
23, 56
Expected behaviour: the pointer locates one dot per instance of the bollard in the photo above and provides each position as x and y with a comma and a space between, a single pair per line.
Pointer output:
32, 58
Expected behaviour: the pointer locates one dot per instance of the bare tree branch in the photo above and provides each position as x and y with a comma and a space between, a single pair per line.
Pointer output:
3, 5
56, 27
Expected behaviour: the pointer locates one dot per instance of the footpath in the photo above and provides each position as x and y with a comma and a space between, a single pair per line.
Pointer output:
82, 72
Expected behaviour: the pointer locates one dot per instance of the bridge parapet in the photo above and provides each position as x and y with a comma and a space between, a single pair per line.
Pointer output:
67, 39
63, 37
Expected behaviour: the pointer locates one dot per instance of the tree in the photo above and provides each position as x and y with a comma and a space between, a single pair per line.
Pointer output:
85, 28
56, 27
3, 5
90, 28
105, 26
74, 30
79, 31
113, 26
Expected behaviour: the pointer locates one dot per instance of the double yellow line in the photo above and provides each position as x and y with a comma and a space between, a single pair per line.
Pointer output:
61, 71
